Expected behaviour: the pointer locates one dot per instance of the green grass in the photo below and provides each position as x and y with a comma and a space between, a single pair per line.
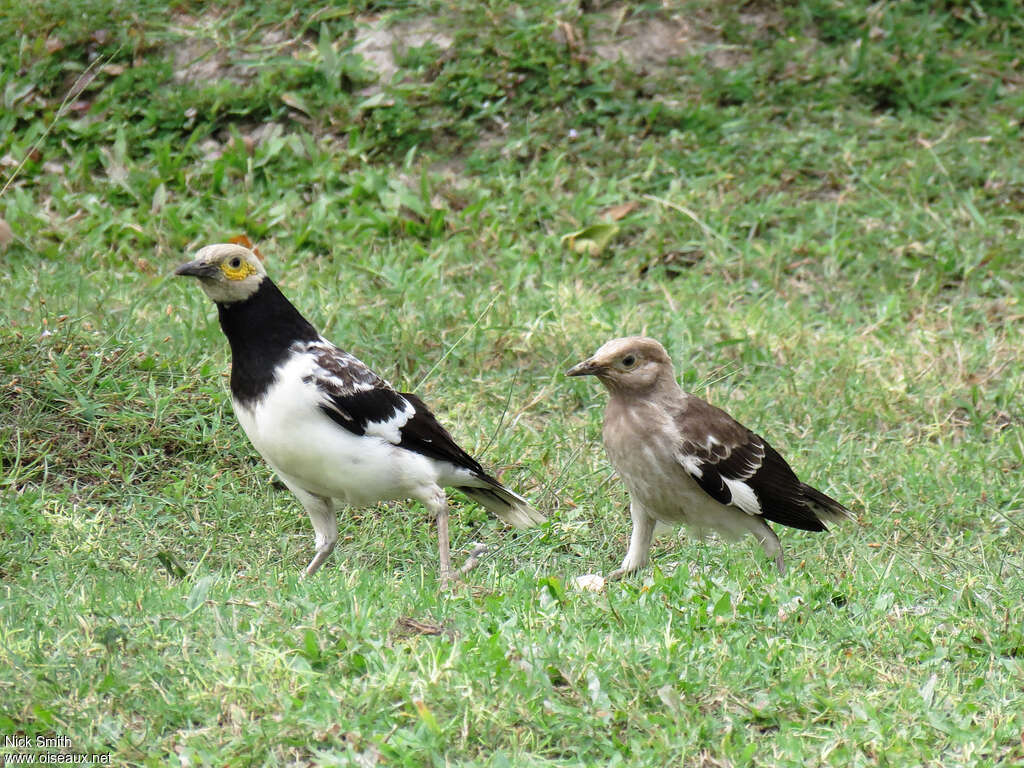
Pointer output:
827, 236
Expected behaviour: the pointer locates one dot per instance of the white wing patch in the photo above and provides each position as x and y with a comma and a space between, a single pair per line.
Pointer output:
743, 496
391, 429
691, 464
754, 463
326, 402
330, 377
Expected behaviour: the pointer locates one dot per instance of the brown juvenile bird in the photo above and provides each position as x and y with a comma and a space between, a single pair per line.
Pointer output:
685, 461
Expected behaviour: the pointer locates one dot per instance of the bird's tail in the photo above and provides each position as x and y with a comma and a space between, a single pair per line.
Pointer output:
825, 507
506, 504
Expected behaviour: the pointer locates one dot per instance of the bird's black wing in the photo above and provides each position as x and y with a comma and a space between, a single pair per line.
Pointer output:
737, 467
357, 399
424, 434
351, 394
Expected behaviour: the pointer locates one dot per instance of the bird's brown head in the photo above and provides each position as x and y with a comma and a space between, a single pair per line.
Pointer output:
630, 364
226, 271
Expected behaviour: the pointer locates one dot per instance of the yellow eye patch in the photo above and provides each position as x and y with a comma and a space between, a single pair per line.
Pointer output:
242, 271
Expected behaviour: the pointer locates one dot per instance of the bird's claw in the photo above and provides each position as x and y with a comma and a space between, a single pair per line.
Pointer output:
617, 574
474, 559
450, 579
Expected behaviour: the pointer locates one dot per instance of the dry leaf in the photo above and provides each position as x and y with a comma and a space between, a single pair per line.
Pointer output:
245, 242
296, 102
589, 582
407, 626
617, 212
427, 716
6, 234
591, 240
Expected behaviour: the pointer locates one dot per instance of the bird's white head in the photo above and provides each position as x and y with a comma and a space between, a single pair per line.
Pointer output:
226, 271
630, 364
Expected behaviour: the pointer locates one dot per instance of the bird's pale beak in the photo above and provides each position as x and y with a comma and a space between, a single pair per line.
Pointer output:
586, 368
197, 268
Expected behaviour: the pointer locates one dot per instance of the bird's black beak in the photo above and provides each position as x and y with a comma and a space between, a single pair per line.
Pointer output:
586, 368
196, 268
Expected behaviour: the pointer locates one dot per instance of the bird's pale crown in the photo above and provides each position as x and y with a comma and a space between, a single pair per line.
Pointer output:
633, 363
227, 272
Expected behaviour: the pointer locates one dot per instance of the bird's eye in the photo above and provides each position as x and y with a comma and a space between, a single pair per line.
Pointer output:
629, 361
235, 263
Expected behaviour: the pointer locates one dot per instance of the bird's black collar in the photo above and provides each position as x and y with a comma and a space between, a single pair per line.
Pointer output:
260, 330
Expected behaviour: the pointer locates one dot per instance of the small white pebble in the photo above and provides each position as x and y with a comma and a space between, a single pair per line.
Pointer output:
590, 582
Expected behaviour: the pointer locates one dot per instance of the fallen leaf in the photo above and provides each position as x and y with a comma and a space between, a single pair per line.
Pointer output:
295, 101
427, 716
245, 242
376, 100
589, 582
407, 626
6, 234
591, 240
670, 697
617, 212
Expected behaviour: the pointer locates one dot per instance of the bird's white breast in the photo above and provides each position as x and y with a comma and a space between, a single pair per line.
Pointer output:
307, 448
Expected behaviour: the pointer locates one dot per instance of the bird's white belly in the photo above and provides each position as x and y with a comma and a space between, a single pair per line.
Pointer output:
303, 444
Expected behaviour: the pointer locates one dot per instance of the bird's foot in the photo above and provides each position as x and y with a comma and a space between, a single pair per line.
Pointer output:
474, 559
315, 563
451, 579
780, 564
617, 574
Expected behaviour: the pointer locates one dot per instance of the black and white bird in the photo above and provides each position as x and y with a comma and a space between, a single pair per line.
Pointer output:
331, 428
685, 461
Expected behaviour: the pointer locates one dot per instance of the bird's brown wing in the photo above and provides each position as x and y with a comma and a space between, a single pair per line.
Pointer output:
739, 468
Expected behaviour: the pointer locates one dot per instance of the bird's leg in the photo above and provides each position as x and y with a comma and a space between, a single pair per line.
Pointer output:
769, 542
443, 548
639, 543
438, 504
325, 527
